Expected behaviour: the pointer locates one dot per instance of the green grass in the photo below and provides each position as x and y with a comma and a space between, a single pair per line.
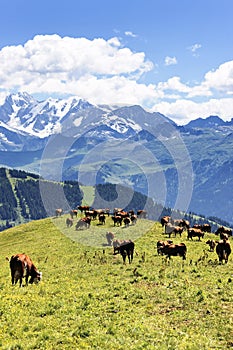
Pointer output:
89, 300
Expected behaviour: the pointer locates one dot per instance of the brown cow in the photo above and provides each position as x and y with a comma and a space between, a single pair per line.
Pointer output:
169, 229
142, 214
203, 228
165, 220
223, 249
58, 212
69, 222
161, 244
195, 232
83, 223
73, 213
174, 250
110, 237
223, 229
125, 248
211, 244
22, 266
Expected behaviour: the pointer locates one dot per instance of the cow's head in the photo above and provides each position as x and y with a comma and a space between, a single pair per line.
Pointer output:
36, 278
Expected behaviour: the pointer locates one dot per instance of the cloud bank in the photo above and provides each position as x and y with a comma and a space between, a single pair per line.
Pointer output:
105, 71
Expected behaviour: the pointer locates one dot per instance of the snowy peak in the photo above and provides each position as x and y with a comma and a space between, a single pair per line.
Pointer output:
21, 112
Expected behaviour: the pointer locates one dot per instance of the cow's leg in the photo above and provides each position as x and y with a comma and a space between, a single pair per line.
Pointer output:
12, 278
26, 279
20, 281
123, 256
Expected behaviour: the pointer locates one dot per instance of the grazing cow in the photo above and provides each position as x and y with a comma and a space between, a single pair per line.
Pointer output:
223, 250
223, 229
211, 244
69, 222
165, 220
195, 232
83, 208
22, 266
142, 214
102, 219
58, 212
117, 210
174, 250
91, 213
110, 237
123, 214
169, 229
206, 228
83, 223
125, 248
107, 211
133, 219
184, 223
117, 220
73, 213
161, 244
203, 228
198, 226
126, 221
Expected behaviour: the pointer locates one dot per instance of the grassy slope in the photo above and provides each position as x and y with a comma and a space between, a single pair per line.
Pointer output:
90, 300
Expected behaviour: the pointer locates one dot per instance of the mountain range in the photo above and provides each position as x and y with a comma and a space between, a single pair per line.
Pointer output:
189, 167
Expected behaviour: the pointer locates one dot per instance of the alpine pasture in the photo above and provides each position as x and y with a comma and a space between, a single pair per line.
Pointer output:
88, 299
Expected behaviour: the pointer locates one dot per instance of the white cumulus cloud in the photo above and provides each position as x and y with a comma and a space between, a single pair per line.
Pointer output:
105, 71
170, 61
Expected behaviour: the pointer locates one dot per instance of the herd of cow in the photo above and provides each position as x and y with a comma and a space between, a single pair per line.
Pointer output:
222, 246
21, 265
119, 216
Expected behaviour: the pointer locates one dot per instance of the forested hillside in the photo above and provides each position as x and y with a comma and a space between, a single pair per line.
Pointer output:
20, 197
21, 200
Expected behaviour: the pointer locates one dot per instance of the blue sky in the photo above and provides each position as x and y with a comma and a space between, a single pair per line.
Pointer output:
174, 57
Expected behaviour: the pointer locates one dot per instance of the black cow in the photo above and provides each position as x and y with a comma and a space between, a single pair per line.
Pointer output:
126, 221
117, 220
125, 248
223, 249
102, 219
22, 266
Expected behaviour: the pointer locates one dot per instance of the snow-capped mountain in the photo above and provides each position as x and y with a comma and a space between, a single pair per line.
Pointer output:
121, 144
24, 118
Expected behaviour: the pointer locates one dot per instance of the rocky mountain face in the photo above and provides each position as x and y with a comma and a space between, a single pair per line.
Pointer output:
188, 167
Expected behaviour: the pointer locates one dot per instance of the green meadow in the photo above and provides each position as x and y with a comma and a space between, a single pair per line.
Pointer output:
88, 299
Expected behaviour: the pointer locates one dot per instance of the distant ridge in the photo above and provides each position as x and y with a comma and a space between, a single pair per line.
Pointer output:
27, 126
210, 122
